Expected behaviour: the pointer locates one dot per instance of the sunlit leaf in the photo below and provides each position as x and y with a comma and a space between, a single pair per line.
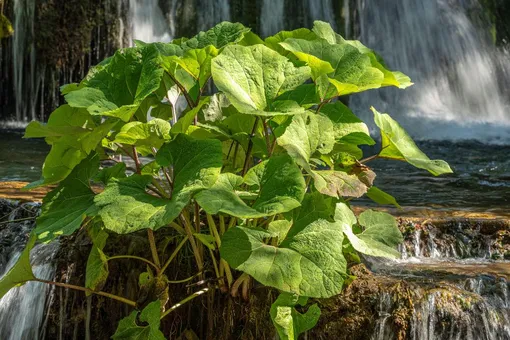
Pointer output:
252, 77
397, 144
141, 326
66, 207
288, 321
21, 272
126, 206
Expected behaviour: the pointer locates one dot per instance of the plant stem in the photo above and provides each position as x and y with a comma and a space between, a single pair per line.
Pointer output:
182, 302
233, 221
185, 280
183, 90
235, 287
368, 159
134, 257
174, 254
189, 232
154, 249
160, 188
250, 147
225, 268
19, 220
214, 230
137, 161
222, 224
86, 290
197, 217
268, 139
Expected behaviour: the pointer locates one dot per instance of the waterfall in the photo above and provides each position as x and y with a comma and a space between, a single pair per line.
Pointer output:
445, 47
148, 22
22, 309
212, 12
25, 88
321, 10
273, 12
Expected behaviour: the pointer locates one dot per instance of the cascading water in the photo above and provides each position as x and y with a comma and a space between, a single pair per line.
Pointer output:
212, 12
461, 78
148, 22
460, 281
22, 309
275, 16
273, 12
25, 86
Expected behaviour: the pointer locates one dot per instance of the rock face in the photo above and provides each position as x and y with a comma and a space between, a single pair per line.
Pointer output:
432, 293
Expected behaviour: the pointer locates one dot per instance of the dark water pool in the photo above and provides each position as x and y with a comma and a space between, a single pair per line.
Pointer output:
481, 179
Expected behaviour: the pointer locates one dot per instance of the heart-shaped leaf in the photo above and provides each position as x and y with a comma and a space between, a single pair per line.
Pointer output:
253, 76
129, 327
280, 188
380, 235
64, 208
288, 322
125, 206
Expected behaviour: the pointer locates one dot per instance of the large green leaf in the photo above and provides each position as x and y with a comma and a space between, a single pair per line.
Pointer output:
65, 207
280, 184
314, 206
106, 174
120, 87
274, 41
125, 206
130, 328
344, 121
149, 135
97, 264
308, 262
338, 183
289, 323
305, 95
65, 120
21, 272
68, 151
280, 189
352, 71
379, 237
396, 144
197, 63
219, 36
300, 137
391, 78
253, 76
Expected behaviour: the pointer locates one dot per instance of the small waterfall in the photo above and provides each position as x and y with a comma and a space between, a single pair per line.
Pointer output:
148, 22
22, 309
459, 276
273, 12
383, 328
211, 13
321, 10
25, 73
446, 48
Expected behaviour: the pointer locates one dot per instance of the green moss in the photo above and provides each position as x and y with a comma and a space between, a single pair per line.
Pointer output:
6, 29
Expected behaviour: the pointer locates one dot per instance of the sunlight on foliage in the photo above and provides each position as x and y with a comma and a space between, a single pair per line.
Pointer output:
232, 150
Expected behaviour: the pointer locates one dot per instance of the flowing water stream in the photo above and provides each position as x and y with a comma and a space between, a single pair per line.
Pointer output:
460, 273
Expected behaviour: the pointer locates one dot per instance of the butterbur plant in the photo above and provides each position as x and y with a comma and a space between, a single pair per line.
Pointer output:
253, 177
